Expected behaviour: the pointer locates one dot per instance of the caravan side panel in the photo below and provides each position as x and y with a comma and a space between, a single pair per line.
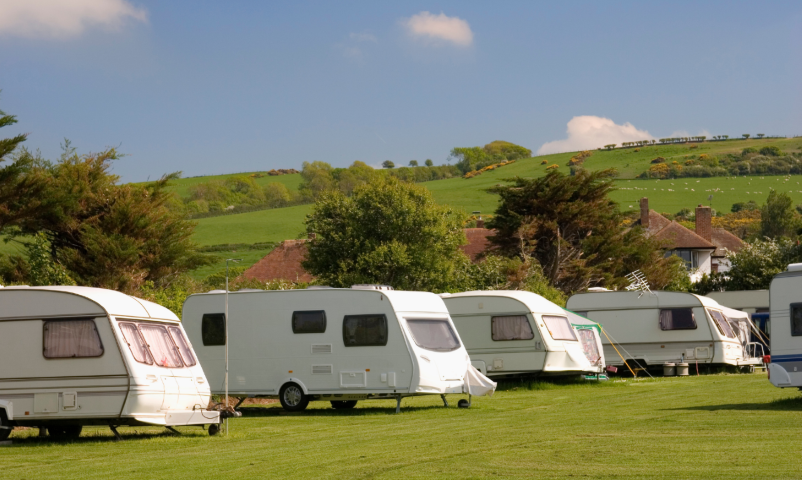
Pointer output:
59, 388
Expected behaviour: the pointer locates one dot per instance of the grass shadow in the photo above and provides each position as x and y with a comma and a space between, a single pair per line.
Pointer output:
256, 411
102, 437
793, 404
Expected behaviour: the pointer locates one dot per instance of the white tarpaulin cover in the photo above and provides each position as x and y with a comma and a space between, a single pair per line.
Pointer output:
478, 384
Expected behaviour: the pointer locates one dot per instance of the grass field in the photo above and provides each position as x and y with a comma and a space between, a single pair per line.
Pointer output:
274, 225
715, 426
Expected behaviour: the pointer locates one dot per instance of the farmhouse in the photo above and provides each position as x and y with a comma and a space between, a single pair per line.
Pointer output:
284, 261
704, 250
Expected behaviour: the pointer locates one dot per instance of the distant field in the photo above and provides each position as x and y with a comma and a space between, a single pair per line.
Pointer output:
182, 185
716, 426
273, 225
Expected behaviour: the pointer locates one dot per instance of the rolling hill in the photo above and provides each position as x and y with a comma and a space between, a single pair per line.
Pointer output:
470, 195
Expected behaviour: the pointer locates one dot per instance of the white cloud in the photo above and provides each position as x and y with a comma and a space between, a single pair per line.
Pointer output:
589, 132
64, 18
430, 27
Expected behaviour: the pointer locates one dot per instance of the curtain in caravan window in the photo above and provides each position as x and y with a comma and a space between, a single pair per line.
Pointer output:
677, 319
559, 328
136, 343
433, 334
722, 323
161, 346
512, 327
589, 345
183, 346
71, 339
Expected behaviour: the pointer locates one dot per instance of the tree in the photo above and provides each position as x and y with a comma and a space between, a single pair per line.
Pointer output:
777, 216
388, 232
429, 162
111, 236
739, 206
761, 135
413, 163
277, 194
569, 225
745, 135
501, 150
21, 181
316, 179
388, 164
757, 262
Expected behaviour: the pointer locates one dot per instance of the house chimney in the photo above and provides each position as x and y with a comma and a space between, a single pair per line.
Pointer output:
644, 213
704, 227
480, 223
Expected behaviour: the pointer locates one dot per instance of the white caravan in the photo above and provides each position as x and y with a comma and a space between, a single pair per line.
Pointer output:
665, 327
785, 369
330, 344
512, 332
74, 356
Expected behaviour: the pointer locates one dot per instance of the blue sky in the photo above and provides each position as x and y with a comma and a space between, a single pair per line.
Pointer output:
219, 87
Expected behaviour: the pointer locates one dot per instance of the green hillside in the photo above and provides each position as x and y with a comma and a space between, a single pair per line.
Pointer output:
470, 195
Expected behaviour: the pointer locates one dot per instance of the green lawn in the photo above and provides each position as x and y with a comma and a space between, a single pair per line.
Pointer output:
716, 426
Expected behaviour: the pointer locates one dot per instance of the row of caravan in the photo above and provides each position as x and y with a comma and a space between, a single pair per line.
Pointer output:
73, 356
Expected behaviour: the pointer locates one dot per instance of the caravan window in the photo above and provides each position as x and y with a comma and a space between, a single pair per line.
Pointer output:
213, 329
721, 322
433, 334
183, 346
135, 342
309, 322
559, 328
365, 330
796, 319
71, 339
161, 346
677, 319
512, 327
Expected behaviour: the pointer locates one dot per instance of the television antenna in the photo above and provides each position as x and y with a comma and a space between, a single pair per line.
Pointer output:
638, 283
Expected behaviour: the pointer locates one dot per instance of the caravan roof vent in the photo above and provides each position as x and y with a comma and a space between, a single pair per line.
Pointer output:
317, 287
367, 286
598, 289
216, 291
795, 267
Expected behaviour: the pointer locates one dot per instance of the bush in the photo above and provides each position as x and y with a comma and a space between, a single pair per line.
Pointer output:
658, 160
772, 151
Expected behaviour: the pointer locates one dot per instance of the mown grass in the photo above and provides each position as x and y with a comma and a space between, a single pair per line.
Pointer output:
716, 426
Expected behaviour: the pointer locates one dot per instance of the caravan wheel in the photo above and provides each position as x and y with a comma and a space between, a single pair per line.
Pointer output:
292, 398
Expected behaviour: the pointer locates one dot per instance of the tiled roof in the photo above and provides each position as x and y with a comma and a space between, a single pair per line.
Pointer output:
674, 236
284, 261
657, 222
477, 242
724, 240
